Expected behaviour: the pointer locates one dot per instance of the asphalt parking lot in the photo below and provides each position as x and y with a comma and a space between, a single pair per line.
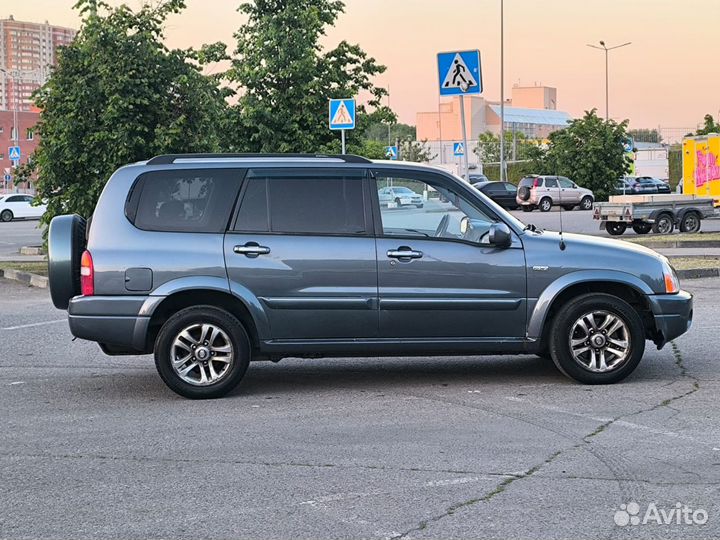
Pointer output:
495, 447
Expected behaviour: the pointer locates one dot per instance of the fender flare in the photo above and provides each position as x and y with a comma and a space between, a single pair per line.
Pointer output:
214, 283
656, 213
536, 320
681, 213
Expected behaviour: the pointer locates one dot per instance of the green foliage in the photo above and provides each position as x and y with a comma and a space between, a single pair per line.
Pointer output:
515, 171
709, 126
675, 165
645, 135
417, 151
378, 131
590, 152
118, 95
488, 148
287, 79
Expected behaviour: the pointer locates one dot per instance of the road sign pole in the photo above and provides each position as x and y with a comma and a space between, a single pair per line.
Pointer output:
464, 136
342, 136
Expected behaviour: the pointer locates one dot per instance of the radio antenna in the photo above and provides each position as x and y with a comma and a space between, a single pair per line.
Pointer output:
562, 240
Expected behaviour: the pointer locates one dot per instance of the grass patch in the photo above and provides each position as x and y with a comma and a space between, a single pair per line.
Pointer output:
684, 237
691, 263
40, 268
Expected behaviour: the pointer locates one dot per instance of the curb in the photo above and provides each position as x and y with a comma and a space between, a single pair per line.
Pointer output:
679, 244
31, 250
697, 273
25, 277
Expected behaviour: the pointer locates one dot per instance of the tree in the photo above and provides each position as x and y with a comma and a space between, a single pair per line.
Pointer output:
416, 151
709, 126
286, 78
118, 95
590, 152
517, 147
378, 131
645, 135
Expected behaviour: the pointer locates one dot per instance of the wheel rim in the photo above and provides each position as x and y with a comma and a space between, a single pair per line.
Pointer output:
691, 222
546, 205
600, 341
6, 216
202, 354
587, 203
664, 225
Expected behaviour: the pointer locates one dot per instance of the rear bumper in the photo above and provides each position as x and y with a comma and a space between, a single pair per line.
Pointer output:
120, 323
673, 315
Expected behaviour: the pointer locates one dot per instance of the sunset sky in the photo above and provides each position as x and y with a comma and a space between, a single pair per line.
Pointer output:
668, 77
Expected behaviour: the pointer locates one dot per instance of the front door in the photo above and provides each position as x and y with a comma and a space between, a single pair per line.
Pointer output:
569, 193
301, 244
438, 276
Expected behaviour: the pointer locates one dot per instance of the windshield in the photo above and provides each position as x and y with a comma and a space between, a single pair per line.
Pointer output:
404, 190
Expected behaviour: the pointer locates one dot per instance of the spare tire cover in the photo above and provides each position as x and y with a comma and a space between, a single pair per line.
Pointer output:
524, 193
66, 243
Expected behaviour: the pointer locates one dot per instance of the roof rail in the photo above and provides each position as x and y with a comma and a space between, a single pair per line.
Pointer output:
170, 158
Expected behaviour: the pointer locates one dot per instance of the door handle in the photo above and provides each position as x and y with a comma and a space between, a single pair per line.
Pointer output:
251, 249
404, 253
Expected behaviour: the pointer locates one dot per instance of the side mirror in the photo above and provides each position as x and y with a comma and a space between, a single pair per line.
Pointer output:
500, 235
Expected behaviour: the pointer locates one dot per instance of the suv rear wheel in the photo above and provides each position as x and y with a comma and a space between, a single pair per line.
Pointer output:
597, 339
545, 204
202, 352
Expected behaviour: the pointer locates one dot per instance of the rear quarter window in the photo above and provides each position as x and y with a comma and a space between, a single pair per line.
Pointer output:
192, 200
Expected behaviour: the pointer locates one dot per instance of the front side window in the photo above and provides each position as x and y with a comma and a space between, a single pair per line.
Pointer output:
195, 200
303, 202
565, 183
429, 210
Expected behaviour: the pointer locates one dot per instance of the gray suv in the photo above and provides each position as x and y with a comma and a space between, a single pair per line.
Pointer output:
210, 261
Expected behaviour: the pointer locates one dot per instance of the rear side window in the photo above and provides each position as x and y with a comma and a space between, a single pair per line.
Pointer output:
551, 182
194, 200
299, 202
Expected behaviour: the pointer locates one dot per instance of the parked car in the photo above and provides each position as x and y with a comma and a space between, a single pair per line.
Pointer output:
264, 258
399, 196
660, 186
641, 185
478, 177
544, 192
19, 206
503, 193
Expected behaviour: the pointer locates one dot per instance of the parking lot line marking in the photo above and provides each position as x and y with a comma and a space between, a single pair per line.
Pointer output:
32, 324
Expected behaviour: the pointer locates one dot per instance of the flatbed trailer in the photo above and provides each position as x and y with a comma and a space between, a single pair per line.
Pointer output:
656, 213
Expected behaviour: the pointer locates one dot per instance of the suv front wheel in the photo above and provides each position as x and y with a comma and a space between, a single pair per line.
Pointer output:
597, 339
202, 352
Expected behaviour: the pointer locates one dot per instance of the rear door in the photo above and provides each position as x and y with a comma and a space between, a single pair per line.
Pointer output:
433, 281
302, 244
550, 189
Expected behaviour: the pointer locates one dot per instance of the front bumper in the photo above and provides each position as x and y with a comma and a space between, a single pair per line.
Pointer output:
673, 315
117, 322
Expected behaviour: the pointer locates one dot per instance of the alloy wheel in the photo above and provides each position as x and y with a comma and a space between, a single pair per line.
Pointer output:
600, 341
202, 354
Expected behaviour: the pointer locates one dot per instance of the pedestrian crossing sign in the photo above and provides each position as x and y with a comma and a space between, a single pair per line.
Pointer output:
342, 114
459, 73
458, 149
391, 152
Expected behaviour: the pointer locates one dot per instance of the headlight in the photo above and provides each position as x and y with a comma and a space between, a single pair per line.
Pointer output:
672, 284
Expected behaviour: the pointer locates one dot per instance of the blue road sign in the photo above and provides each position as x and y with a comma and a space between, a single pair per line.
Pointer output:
459, 73
459, 149
342, 114
14, 153
7, 178
391, 152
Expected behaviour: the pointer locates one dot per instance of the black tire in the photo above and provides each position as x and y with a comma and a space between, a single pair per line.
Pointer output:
6, 216
527, 208
642, 227
233, 329
419, 205
664, 224
523, 193
397, 202
66, 243
586, 203
561, 332
690, 222
568, 207
545, 204
615, 228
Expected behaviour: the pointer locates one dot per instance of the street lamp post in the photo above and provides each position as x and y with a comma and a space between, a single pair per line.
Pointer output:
607, 50
502, 92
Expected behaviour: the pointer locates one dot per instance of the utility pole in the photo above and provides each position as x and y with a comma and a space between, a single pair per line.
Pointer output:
607, 85
502, 92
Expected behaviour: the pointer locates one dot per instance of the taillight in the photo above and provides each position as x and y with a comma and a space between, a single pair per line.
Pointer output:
87, 275
536, 182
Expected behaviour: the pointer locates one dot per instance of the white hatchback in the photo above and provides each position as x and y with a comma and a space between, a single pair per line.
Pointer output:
18, 206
